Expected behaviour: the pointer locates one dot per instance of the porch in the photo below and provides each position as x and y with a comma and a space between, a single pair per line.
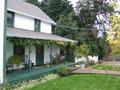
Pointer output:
33, 53
35, 72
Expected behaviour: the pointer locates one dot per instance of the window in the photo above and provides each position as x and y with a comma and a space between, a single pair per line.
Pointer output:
37, 25
10, 18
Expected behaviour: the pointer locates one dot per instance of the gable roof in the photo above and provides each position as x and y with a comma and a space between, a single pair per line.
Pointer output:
22, 33
24, 8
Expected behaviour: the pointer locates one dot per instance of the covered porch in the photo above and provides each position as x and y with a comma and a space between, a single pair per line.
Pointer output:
20, 75
38, 51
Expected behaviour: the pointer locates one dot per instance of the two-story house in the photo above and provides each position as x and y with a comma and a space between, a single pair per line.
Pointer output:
26, 21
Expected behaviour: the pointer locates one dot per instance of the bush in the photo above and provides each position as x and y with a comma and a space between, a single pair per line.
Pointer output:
63, 70
16, 59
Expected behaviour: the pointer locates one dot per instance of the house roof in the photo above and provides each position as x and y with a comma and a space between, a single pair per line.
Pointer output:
21, 33
24, 8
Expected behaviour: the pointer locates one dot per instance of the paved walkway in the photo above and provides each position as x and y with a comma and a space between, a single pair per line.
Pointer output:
116, 63
89, 70
94, 71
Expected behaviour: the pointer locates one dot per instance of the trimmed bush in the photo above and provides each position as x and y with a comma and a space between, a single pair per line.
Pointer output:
63, 70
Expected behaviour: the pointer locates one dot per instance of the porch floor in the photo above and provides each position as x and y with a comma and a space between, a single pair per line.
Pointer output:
34, 73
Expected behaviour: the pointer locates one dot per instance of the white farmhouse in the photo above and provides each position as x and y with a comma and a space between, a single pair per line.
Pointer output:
26, 22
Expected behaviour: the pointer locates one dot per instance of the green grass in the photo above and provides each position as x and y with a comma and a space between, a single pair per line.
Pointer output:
107, 67
81, 82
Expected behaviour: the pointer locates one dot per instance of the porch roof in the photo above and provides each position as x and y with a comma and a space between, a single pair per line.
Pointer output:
22, 33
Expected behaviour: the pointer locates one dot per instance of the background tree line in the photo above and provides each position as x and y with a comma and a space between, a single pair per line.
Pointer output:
90, 14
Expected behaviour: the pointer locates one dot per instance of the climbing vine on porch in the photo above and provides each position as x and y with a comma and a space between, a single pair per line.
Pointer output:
38, 42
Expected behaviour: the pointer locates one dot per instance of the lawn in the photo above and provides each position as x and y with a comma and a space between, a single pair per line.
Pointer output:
107, 67
81, 82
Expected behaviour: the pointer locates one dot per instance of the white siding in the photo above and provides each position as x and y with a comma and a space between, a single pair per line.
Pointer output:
55, 50
23, 22
47, 51
46, 27
46, 54
9, 50
32, 54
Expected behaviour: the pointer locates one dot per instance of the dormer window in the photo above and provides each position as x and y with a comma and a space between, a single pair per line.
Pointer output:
37, 25
10, 19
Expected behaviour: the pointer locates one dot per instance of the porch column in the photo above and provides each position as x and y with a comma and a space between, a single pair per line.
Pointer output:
29, 58
3, 28
50, 49
65, 56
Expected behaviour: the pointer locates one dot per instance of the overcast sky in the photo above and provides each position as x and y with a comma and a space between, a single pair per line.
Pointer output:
74, 2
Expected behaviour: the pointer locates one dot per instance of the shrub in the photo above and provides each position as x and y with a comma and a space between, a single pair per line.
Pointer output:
63, 70
16, 59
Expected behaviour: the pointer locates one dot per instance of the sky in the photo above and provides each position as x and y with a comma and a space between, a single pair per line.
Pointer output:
74, 2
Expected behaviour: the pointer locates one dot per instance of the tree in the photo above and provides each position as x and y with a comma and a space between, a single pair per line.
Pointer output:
67, 20
62, 12
102, 47
56, 8
83, 50
92, 14
114, 34
35, 2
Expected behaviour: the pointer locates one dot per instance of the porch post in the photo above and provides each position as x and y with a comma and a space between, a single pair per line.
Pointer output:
29, 58
3, 28
65, 56
51, 49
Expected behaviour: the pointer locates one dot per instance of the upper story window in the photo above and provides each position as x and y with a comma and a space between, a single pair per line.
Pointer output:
10, 18
37, 25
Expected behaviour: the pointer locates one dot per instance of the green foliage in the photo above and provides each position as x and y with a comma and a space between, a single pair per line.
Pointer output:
89, 14
89, 10
114, 34
56, 8
35, 2
83, 50
37, 42
63, 70
16, 59
102, 48
69, 21
6, 86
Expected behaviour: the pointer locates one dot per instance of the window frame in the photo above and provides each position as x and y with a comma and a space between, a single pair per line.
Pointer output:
37, 22
10, 22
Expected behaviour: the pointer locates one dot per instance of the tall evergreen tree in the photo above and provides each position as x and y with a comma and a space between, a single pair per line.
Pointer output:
35, 2
56, 8
92, 14
68, 21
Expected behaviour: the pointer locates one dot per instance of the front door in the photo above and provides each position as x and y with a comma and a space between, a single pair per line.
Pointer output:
40, 55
